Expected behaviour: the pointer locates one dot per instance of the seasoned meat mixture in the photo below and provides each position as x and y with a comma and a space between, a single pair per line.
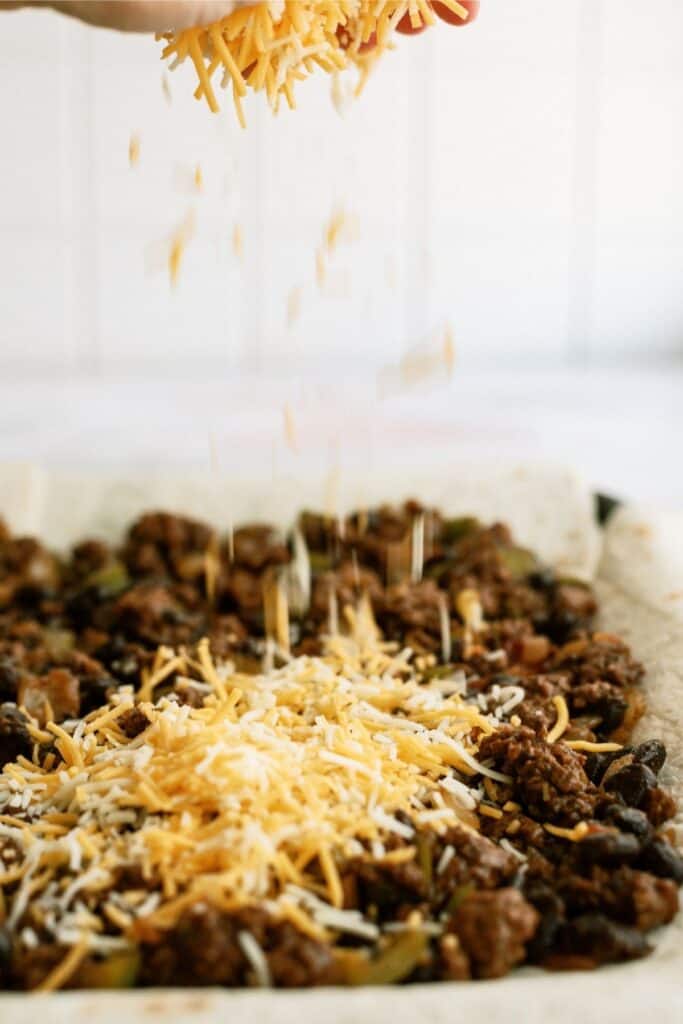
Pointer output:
545, 841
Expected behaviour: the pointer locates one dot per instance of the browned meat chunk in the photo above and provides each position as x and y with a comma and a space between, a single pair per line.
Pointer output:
227, 633
603, 702
160, 544
28, 970
321, 533
477, 862
258, 546
54, 696
602, 658
654, 900
88, 557
27, 571
295, 960
204, 949
133, 722
659, 806
576, 598
622, 893
493, 929
455, 964
388, 886
245, 589
548, 780
152, 614
348, 582
15, 739
409, 608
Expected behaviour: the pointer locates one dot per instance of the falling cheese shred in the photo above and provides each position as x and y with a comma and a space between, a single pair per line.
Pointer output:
134, 150
269, 47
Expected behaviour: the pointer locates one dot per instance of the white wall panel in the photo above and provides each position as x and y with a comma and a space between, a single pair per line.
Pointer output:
639, 229
519, 179
33, 290
502, 176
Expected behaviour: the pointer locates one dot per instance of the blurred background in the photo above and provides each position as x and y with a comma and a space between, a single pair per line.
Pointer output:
517, 183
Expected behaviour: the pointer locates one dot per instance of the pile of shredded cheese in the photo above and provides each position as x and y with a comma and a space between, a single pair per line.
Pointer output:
271, 46
257, 796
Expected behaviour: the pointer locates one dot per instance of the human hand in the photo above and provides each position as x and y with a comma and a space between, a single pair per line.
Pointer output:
169, 15
139, 15
445, 13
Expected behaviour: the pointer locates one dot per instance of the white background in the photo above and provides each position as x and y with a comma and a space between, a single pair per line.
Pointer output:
521, 180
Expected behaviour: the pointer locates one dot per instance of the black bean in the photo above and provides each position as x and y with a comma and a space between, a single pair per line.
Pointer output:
542, 579
605, 506
651, 753
629, 819
609, 848
562, 626
5, 946
595, 767
95, 692
632, 783
611, 712
661, 859
5, 957
604, 940
597, 764
551, 909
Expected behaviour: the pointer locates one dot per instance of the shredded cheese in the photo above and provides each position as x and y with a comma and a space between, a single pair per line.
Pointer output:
593, 748
293, 306
177, 246
258, 795
575, 835
65, 970
562, 720
256, 958
430, 361
134, 150
238, 241
270, 47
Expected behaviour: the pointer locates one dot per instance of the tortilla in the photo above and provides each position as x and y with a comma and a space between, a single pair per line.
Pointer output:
548, 509
639, 566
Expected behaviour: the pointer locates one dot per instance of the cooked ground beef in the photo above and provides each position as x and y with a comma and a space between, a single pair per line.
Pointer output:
133, 722
73, 631
548, 780
477, 862
160, 544
204, 949
493, 929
